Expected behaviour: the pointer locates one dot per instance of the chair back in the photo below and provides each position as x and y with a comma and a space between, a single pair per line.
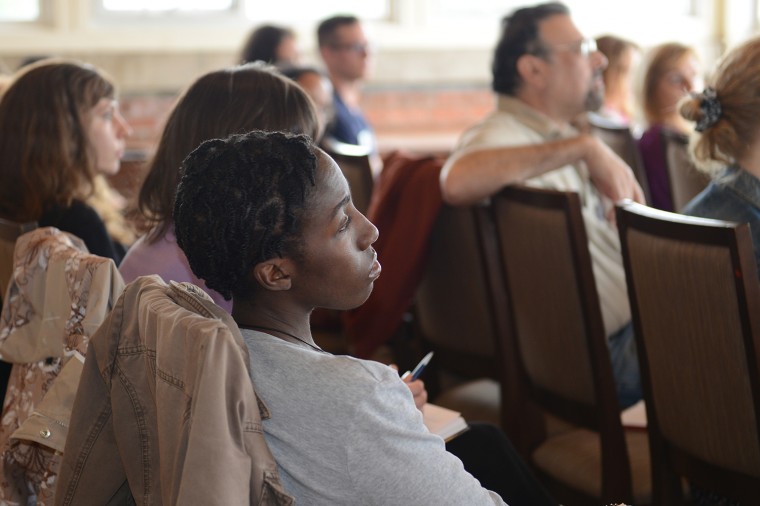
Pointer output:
454, 313
685, 180
358, 171
621, 141
9, 232
557, 333
695, 301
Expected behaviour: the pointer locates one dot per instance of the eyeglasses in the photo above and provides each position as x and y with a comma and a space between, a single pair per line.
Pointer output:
357, 47
584, 47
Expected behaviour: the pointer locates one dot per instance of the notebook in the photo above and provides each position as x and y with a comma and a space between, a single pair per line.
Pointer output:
445, 422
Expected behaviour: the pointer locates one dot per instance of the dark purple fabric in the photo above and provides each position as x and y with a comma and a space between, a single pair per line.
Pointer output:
653, 155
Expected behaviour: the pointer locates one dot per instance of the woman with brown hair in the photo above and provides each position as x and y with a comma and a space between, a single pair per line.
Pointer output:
672, 72
271, 44
622, 58
218, 104
60, 128
727, 140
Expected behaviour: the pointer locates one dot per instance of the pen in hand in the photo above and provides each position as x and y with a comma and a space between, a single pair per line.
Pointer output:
415, 373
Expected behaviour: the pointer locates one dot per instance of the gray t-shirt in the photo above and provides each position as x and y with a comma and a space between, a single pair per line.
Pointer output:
346, 431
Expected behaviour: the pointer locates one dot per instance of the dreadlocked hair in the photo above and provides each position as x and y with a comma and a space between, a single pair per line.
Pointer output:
240, 202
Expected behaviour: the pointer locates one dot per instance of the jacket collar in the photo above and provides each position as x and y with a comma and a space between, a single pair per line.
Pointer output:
742, 183
533, 119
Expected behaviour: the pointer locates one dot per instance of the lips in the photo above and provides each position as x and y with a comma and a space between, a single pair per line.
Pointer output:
374, 272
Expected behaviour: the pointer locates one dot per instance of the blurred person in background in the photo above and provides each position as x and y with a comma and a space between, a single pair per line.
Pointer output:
622, 59
220, 103
671, 72
271, 44
727, 140
60, 130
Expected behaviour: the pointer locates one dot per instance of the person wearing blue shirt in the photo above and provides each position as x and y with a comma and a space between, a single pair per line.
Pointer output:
346, 53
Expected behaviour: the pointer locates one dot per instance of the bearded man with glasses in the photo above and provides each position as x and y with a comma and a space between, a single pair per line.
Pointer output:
546, 74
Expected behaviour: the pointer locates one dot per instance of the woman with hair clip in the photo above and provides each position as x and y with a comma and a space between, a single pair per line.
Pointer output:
266, 218
60, 129
217, 104
727, 140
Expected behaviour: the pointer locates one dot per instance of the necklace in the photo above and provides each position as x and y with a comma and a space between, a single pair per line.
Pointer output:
270, 329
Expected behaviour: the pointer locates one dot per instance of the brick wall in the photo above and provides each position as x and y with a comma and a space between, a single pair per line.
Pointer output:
418, 118
423, 120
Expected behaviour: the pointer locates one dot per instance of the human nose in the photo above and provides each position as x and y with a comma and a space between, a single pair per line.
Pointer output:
369, 233
598, 60
122, 126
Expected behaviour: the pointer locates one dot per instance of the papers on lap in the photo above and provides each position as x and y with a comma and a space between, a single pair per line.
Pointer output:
445, 422
635, 417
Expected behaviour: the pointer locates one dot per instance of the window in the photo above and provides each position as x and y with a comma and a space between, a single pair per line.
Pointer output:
284, 11
287, 11
19, 10
167, 5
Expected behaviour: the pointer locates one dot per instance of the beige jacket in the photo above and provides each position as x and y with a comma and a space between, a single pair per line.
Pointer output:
57, 296
166, 411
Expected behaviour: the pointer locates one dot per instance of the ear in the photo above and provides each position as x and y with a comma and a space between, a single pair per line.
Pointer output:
532, 70
273, 274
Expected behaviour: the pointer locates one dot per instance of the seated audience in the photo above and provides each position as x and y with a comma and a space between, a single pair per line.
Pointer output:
727, 140
671, 72
318, 87
267, 219
220, 103
346, 52
196, 118
271, 44
622, 58
545, 74
60, 127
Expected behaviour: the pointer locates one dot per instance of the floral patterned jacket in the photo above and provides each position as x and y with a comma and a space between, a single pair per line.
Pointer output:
57, 296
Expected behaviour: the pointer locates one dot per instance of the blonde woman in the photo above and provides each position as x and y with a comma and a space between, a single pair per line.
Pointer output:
727, 140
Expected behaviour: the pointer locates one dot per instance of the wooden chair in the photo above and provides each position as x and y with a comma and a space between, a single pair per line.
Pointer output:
354, 162
557, 336
454, 315
685, 180
695, 300
621, 141
9, 232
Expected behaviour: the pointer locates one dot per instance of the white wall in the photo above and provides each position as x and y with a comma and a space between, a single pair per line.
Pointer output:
425, 42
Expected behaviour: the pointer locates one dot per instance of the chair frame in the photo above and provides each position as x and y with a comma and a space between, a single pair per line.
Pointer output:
669, 462
631, 156
671, 139
356, 167
466, 364
602, 417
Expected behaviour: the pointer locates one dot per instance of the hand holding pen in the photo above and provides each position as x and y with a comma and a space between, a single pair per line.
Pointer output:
415, 373
416, 385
